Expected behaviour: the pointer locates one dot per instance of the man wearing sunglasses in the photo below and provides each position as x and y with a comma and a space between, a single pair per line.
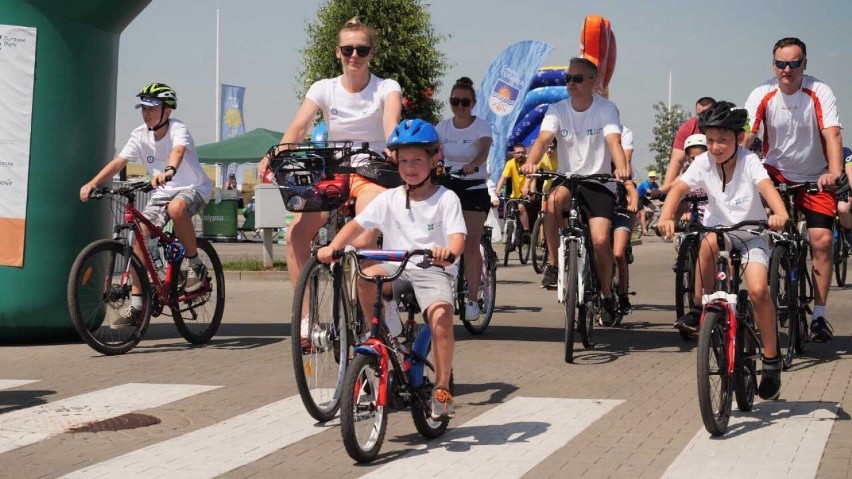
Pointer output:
588, 132
802, 142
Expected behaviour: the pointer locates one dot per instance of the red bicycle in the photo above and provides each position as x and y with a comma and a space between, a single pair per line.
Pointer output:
106, 271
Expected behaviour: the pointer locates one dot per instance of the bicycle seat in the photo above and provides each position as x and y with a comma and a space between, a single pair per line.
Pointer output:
409, 301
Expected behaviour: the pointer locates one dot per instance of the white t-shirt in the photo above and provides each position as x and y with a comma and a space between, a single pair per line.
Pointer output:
581, 135
428, 223
793, 126
626, 138
154, 155
741, 199
354, 116
460, 145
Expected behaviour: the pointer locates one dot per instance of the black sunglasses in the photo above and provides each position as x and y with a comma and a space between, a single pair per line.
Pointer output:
465, 102
574, 78
347, 50
794, 65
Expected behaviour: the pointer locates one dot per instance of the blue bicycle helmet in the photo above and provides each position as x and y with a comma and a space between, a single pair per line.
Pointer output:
414, 132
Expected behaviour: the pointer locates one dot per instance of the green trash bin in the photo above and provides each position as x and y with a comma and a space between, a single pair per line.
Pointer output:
219, 221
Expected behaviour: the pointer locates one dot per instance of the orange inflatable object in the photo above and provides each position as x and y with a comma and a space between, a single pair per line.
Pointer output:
597, 44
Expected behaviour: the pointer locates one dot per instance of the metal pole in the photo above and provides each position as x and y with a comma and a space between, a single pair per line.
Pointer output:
217, 88
670, 90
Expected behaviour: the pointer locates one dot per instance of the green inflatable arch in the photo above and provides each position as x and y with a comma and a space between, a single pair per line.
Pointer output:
73, 125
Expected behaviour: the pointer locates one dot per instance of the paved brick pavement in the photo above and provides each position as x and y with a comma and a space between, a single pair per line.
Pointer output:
644, 364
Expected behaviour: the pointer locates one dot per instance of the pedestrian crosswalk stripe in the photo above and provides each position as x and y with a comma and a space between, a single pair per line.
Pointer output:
504, 442
776, 439
216, 449
13, 383
34, 424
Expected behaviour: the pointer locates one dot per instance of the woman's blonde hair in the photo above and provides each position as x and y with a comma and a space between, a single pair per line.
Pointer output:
354, 25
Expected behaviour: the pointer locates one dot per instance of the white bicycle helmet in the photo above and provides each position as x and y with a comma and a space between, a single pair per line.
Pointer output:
695, 140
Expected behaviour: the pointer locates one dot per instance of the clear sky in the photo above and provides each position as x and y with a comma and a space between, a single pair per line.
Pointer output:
721, 49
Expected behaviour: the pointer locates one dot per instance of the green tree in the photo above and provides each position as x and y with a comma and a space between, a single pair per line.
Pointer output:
406, 49
666, 122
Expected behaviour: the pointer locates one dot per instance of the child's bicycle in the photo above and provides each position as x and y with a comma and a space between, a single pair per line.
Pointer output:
99, 285
382, 375
728, 343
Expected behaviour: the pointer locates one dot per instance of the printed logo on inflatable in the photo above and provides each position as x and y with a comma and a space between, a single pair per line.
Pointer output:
504, 95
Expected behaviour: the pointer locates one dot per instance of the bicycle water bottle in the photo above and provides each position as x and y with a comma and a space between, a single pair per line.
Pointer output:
323, 236
154, 248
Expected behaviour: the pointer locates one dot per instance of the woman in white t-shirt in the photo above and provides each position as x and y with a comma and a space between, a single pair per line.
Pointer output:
356, 106
466, 140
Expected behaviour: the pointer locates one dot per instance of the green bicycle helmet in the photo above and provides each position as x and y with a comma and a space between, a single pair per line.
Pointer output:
154, 94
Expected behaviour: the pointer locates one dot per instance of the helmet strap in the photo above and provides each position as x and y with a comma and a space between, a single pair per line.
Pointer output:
409, 187
722, 167
162, 121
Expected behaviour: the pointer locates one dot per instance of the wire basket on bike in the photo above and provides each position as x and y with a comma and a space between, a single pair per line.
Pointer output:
312, 177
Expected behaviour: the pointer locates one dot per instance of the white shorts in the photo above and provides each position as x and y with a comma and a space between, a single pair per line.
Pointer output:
752, 248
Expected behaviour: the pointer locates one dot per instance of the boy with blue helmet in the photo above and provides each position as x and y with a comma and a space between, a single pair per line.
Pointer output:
418, 214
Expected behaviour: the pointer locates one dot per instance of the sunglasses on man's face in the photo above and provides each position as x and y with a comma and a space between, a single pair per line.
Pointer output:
794, 64
574, 78
347, 50
465, 102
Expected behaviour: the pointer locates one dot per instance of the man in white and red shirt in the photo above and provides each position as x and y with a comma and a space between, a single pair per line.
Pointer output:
802, 142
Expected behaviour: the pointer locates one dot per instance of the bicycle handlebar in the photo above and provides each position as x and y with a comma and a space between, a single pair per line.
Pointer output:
127, 191
395, 256
457, 174
601, 177
761, 224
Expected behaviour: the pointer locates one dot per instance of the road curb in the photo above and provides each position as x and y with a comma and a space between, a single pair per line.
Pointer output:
256, 276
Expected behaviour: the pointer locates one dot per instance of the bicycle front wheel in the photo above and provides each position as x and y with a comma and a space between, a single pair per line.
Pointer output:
714, 384
841, 255
363, 422
321, 338
486, 295
782, 289
199, 314
685, 278
538, 246
524, 246
745, 365
571, 286
99, 293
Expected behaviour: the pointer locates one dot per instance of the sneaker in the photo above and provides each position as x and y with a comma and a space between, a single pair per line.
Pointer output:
770, 379
607, 313
821, 331
624, 303
442, 404
392, 318
550, 277
471, 311
690, 321
193, 277
128, 316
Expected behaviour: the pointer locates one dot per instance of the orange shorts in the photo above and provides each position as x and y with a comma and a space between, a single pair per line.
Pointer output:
823, 202
358, 185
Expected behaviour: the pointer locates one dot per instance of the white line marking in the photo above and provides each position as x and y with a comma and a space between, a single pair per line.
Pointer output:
13, 383
505, 442
216, 449
31, 425
776, 439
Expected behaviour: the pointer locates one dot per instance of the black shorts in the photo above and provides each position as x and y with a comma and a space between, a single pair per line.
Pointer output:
596, 200
471, 200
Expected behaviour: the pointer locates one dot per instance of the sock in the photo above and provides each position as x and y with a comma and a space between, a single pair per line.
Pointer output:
136, 302
819, 311
194, 260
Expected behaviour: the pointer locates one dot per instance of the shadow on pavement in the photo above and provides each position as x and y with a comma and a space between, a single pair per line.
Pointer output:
12, 400
821, 353
500, 391
765, 413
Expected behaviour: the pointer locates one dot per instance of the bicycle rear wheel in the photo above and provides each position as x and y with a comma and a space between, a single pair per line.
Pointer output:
714, 384
685, 278
782, 289
363, 422
745, 366
538, 246
421, 403
586, 316
320, 363
199, 314
571, 286
841, 254
487, 294
98, 290
524, 246
509, 245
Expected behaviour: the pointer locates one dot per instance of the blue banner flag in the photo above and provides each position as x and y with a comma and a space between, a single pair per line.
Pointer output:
231, 115
502, 91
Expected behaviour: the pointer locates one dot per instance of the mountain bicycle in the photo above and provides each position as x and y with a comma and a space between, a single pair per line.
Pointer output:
103, 274
538, 240
383, 375
728, 344
790, 284
515, 240
687, 255
841, 252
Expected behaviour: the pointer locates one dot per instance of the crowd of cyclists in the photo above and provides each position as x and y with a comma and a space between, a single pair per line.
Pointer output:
581, 135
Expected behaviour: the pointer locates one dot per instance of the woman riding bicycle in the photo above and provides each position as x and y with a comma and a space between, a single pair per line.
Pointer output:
356, 105
466, 140
166, 148
736, 179
417, 215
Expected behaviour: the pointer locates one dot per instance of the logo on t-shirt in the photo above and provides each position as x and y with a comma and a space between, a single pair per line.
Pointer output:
333, 112
594, 131
150, 159
563, 133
